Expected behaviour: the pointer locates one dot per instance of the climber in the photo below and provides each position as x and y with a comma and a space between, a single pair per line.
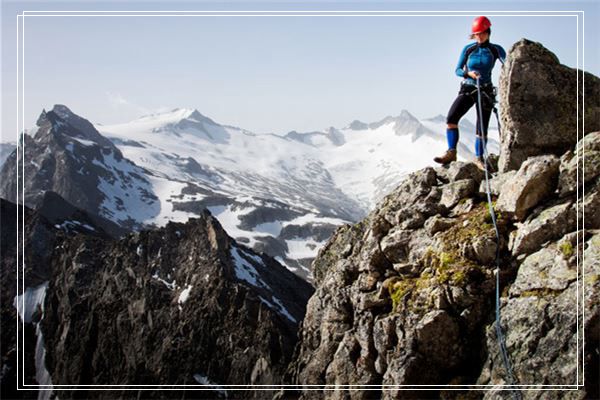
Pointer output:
475, 63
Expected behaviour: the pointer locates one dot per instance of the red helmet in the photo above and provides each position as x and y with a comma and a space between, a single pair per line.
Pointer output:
480, 24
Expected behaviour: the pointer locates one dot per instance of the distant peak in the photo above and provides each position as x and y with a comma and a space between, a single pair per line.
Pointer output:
62, 111
404, 114
195, 114
437, 118
357, 125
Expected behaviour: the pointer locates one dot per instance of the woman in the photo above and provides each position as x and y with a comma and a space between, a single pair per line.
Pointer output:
475, 63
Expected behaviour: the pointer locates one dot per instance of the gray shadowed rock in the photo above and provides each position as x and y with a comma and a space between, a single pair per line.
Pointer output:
456, 191
541, 323
539, 104
459, 170
437, 224
551, 223
73, 220
590, 210
30, 260
6, 150
581, 166
497, 183
533, 183
317, 231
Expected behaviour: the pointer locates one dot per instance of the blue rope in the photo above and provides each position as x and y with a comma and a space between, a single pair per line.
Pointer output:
516, 395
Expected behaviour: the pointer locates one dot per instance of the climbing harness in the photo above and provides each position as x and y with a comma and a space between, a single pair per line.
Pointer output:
516, 395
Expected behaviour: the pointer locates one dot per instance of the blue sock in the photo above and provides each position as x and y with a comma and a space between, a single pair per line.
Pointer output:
479, 146
452, 137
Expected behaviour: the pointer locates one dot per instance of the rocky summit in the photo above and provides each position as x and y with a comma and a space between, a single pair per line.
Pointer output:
407, 296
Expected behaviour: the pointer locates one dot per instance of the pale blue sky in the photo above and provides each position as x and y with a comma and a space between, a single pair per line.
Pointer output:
265, 74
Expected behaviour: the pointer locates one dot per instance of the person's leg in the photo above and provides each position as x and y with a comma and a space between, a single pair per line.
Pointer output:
459, 108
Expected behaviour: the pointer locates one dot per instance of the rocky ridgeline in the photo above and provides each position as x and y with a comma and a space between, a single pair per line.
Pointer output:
181, 305
184, 304
407, 296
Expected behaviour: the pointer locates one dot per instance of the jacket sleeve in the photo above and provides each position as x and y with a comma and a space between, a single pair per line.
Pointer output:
462, 62
501, 53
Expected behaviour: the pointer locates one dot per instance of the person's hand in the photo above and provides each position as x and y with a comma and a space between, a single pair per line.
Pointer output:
474, 74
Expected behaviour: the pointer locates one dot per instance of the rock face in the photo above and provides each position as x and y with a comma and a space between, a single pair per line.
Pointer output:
406, 297
31, 267
184, 304
539, 105
398, 302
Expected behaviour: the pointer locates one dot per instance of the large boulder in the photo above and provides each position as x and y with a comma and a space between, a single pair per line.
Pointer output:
539, 103
534, 182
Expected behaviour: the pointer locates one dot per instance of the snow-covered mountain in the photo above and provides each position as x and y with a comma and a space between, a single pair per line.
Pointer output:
262, 187
281, 194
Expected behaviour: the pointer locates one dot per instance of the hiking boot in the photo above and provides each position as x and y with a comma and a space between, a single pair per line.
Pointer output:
448, 157
480, 162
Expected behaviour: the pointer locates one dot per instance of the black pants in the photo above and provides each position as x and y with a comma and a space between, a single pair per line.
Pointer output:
467, 96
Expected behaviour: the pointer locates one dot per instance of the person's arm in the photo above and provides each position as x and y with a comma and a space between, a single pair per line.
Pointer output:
501, 53
462, 61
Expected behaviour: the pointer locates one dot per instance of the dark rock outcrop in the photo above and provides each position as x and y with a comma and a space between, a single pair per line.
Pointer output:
29, 261
539, 104
184, 304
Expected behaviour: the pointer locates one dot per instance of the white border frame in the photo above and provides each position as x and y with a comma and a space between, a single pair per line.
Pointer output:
279, 13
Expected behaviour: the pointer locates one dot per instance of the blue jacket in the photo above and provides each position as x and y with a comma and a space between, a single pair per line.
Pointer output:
480, 59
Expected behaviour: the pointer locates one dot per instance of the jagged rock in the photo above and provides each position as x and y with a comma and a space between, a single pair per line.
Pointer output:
29, 260
539, 104
463, 207
534, 182
437, 224
459, 170
586, 158
168, 305
497, 183
417, 186
368, 282
456, 191
387, 306
540, 326
410, 219
552, 223
395, 245
410, 269
338, 248
590, 209
437, 337
481, 249
546, 269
